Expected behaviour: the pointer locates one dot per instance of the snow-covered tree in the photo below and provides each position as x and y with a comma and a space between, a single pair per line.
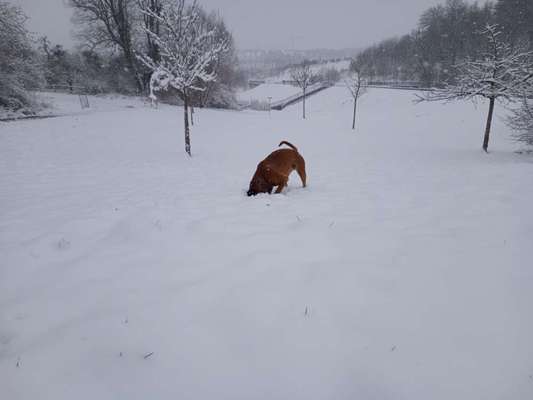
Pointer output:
503, 73
357, 85
186, 52
20, 69
303, 76
522, 122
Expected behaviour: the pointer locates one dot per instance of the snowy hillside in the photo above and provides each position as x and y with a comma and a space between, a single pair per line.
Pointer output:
261, 93
129, 271
57, 103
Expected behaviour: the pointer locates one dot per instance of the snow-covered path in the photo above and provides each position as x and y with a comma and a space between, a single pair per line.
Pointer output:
402, 272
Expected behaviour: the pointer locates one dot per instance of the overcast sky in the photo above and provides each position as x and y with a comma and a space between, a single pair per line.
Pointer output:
273, 24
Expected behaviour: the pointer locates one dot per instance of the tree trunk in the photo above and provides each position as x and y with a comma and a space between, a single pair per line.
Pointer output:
133, 67
354, 111
124, 25
186, 122
487, 128
304, 102
192, 115
138, 78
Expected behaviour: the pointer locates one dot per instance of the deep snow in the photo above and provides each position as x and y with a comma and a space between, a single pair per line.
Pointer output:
402, 272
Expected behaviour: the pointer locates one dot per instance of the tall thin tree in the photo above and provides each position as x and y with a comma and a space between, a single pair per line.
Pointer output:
356, 85
303, 76
186, 52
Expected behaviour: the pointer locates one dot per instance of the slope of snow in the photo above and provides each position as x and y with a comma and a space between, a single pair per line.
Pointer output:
62, 103
276, 91
56, 103
129, 271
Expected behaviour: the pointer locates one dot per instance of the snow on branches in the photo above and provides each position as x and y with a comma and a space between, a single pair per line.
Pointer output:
522, 122
20, 69
186, 49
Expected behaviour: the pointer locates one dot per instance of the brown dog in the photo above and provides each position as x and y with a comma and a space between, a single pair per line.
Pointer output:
275, 170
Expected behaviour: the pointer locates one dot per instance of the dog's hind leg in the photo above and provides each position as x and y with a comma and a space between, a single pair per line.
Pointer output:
300, 168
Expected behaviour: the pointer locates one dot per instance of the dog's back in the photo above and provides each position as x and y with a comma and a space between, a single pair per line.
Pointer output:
282, 156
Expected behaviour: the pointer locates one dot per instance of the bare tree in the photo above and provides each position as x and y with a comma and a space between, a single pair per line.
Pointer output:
303, 76
502, 73
151, 24
109, 23
357, 85
186, 52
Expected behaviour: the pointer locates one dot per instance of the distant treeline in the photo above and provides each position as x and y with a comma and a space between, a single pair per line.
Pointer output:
445, 36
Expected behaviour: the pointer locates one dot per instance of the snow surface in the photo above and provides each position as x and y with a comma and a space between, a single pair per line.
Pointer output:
276, 91
129, 271
62, 103
59, 104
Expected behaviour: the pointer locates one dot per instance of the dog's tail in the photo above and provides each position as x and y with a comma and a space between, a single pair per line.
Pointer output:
288, 144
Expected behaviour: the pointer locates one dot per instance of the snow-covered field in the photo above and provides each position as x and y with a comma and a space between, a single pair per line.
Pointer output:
60, 104
129, 271
261, 93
